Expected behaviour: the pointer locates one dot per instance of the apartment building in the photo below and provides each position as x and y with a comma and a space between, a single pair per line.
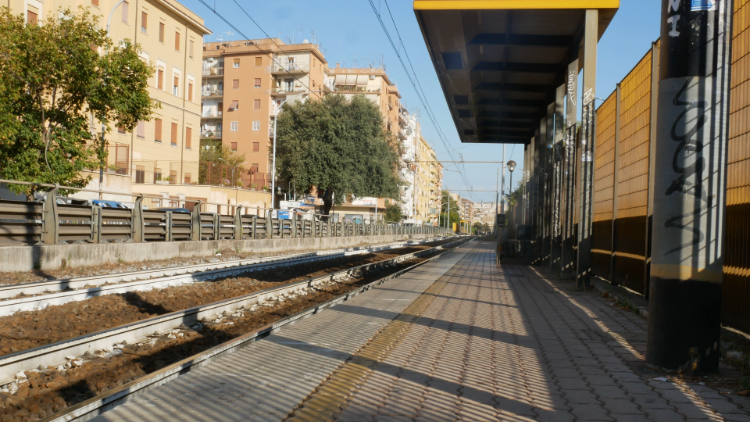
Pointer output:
429, 175
409, 137
467, 209
243, 85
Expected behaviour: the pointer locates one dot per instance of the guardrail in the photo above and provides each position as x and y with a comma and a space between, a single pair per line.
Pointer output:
52, 223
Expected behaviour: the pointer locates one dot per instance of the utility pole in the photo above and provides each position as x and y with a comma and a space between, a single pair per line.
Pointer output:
448, 214
497, 201
690, 186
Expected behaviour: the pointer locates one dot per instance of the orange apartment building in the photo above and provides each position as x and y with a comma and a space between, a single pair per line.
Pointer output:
243, 84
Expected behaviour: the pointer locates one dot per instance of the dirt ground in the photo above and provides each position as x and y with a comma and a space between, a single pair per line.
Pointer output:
50, 390
29, 329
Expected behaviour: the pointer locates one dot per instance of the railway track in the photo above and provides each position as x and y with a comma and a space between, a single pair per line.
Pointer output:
38, 295
92, 346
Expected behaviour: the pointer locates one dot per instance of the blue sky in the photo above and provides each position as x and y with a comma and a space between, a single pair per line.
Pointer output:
348, 32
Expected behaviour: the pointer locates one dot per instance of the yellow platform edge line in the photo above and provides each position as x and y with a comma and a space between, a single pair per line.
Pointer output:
514, 4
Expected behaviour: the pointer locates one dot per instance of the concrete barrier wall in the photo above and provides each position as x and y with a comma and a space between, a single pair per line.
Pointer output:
50, 257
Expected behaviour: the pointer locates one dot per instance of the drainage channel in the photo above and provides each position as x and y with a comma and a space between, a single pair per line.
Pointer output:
34, 296
208, 317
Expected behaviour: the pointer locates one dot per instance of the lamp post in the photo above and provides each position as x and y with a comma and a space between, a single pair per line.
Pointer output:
511, 166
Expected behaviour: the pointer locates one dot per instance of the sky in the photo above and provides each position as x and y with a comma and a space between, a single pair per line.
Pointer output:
349, 33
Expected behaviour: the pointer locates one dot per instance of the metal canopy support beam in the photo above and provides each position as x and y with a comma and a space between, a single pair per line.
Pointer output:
523, 88
690, 181
557, 173
583, 267
549, 144
517, 40
516, 67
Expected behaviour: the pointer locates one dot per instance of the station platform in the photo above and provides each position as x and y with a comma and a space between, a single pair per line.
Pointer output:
459, 338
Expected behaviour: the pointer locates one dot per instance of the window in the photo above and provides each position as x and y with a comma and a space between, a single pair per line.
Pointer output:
160, 79
254, 168
161, 31
190, 91
259, 61
120, 129
187, 178
234, 126
174, 134
140, 174
234, 146
144, 22
157, 174
157, 130
176, 86
235, 83
95, 2
256, 124
220, 107
177, 41
256, 104
236, 63
256, 146
140, 130
192, 47
188, 137
125, 12
32, 15
235, 105
257, 82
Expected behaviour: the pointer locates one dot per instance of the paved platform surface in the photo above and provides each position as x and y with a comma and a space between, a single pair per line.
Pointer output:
459, 339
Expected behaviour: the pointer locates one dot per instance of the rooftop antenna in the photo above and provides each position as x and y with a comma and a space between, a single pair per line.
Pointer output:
382, 63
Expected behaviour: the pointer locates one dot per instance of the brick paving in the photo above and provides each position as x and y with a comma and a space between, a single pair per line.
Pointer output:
506, 343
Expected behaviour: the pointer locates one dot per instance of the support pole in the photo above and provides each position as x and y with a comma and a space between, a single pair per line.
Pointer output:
651, 163
690, 186
568, 259
557, 179
588, 128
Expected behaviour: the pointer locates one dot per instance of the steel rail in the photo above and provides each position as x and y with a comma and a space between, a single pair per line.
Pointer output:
57, 292
56, 354
95, 406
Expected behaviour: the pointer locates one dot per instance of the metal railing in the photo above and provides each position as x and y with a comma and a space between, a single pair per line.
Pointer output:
290, 67
53, 222
214, 71
212, 92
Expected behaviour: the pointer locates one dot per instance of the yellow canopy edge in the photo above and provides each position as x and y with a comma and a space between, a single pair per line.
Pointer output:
514, 4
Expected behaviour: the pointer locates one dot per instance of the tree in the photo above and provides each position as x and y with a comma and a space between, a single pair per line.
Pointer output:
513, 197
392, 213
454, 217
218, 163
53, 83
476, 227
338, 146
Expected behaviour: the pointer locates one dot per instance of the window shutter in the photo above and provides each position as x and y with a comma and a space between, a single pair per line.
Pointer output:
257, 82
161, 32
256, 104
235, 105
160, 81
190, 91
177, 41
95, 2
192, 46
236, 83
234, 146
157, 130
144, 21
187, 178
188, 137
140, 130
174, 133
125, 12
236, 63
259, 61
256, 146
220, 108
32, 14
177, 81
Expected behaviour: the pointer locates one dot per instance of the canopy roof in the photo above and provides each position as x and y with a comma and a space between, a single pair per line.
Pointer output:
500, 62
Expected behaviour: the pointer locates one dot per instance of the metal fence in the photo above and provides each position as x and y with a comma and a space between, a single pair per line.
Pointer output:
623, 201
53, 222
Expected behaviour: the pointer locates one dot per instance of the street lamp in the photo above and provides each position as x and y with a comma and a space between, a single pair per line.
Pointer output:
511, 166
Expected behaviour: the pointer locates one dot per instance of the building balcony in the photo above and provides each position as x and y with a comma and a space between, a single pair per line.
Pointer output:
214, 71
211, 115
402, 118
211, 134
287, 68
328, 86
209, 93
286, 91
359, 89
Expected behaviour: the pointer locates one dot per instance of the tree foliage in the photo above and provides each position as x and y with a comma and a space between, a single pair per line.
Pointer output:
392, 213
53, 81
513, 197
454, 216
338, 146
218, 164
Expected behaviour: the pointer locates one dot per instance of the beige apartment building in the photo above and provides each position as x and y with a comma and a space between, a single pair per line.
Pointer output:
243, 84
429, 183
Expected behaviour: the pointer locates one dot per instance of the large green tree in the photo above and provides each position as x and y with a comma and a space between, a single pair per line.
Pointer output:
338, 146
219, 164
55, 78
392, 212
454, 217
